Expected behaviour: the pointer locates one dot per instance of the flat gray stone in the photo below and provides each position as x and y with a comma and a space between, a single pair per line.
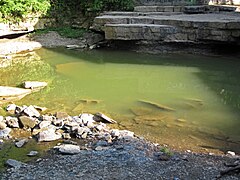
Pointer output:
32, 153
21, 143
14, 163
69, 149
31, 111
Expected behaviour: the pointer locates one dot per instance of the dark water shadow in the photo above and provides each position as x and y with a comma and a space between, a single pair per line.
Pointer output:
220, 73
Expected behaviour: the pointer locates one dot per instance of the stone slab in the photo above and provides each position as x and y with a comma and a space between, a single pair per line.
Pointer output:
138, 31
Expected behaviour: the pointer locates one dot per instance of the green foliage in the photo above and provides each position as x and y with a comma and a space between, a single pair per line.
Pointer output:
16, 10
166, 151
106, 5
65, 31
90, 6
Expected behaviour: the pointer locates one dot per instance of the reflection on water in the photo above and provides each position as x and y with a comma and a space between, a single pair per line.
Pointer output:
203, 93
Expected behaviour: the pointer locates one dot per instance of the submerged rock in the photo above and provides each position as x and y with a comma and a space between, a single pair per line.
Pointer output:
104, 118
76, 46
62, 115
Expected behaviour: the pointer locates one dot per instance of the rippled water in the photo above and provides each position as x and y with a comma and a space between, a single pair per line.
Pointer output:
203, 93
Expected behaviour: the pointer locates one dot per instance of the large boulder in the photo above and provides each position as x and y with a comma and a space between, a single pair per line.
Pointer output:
28, 122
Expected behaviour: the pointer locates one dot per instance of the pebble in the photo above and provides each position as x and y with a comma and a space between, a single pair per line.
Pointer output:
21, 143
32, 153
231, 153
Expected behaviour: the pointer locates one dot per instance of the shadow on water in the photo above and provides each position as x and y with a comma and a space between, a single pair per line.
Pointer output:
220, 73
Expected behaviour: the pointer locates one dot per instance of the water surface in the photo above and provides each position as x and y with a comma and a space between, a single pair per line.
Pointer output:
203, 91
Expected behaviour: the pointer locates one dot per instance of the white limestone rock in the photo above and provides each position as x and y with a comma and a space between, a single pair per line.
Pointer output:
31, 111
49, 135
86, 118
68, 149
34, 84
12, 122
5, 133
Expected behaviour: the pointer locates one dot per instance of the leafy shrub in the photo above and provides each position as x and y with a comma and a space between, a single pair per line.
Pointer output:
17, 10
106, 5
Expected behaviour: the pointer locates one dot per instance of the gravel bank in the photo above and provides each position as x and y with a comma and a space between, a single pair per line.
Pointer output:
132, 159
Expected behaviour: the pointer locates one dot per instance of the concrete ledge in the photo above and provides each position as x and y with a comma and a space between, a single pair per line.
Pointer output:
158, 9
138, 31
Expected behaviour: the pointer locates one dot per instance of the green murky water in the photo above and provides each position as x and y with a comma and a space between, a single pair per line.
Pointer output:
203, 91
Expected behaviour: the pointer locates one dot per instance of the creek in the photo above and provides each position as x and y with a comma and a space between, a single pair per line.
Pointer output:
187, 102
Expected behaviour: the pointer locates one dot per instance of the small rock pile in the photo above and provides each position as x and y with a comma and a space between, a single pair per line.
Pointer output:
60, 125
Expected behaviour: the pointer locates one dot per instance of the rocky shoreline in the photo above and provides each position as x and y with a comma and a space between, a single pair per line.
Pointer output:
51, 39
105, 153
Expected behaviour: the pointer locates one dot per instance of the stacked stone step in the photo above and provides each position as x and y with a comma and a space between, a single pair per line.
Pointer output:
158, 8
137, 25
194, 28
159, 21
138, 31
